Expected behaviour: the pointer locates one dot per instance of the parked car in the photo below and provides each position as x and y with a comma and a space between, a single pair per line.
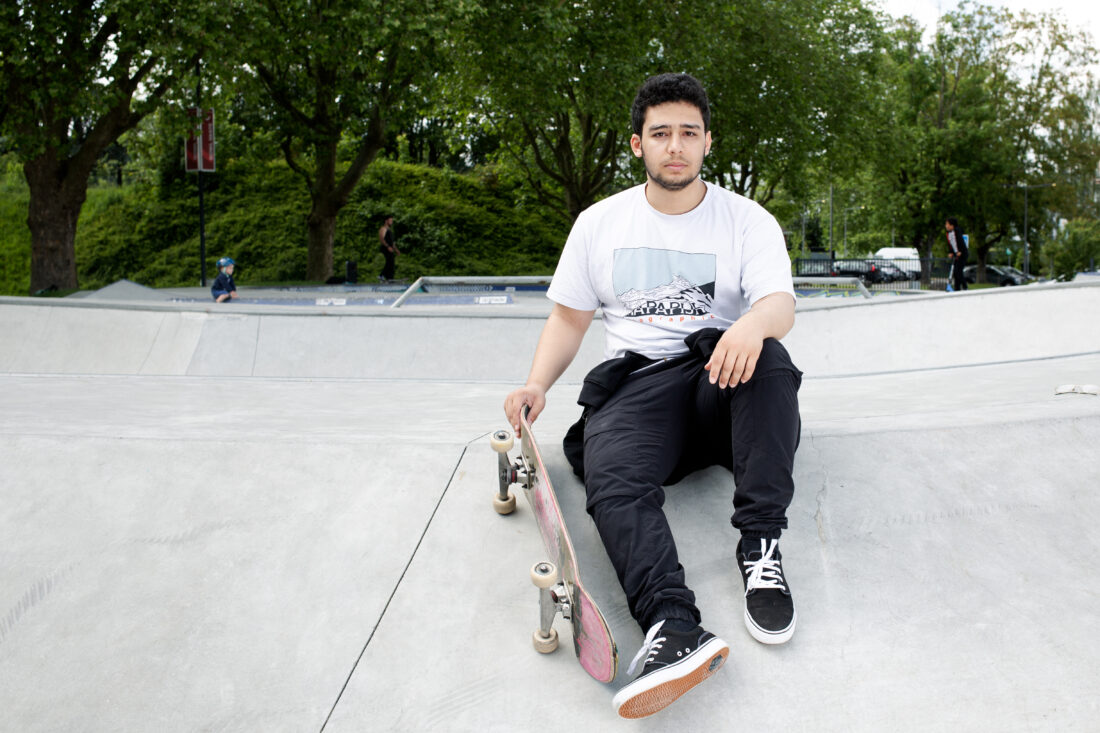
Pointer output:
996, 275
895, 273
869, 272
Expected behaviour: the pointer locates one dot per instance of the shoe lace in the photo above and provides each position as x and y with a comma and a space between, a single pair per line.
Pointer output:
765, 572
650, 647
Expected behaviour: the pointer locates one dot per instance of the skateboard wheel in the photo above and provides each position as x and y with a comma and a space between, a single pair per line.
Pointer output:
544, 575
501, 441
504, 506
545, 644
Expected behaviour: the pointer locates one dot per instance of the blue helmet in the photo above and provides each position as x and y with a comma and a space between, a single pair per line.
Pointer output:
225, 261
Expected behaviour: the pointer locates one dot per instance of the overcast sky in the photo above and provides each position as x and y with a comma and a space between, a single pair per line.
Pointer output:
1083, 14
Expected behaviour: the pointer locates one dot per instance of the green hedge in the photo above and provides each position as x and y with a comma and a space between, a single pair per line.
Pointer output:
15, 237
446, 224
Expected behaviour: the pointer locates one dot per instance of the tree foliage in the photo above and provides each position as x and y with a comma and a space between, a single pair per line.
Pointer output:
993, 104
819, 108
74, 76
554, 82
323, 71
788, 82
1075, 249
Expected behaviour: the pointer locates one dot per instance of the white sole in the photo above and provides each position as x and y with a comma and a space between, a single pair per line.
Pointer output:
770, 637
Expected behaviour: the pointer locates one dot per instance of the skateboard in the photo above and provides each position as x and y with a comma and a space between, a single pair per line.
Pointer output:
557, 577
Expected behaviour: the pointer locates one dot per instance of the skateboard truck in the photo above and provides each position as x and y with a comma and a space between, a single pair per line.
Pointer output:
509, 473
553, 600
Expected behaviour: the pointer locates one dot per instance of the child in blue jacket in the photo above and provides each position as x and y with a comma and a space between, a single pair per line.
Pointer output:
224, 288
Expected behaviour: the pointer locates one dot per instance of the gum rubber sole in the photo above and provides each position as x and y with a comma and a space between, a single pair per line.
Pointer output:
663, 693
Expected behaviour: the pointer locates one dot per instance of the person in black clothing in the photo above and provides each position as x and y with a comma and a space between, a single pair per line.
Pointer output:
224, 288
957, 252
388, 248
694, 285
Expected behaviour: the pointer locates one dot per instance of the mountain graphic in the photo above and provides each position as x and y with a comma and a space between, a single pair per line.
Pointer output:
679, 297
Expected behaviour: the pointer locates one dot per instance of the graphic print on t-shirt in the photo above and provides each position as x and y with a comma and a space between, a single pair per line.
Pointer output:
664, 283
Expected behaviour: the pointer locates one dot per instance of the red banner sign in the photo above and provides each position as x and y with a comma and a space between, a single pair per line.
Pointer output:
199, 149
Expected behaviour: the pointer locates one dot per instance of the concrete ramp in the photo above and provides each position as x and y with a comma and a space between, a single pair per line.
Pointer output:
946, 330
495, 343
279, 519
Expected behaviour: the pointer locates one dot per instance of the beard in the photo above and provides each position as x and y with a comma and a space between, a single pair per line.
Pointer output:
668, 184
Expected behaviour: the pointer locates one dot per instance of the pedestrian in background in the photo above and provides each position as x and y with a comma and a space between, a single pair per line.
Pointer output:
958, 252
388, 248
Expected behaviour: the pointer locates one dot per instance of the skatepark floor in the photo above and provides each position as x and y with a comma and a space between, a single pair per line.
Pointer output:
276, 515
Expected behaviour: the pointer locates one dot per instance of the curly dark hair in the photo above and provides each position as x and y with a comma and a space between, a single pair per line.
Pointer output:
665, 88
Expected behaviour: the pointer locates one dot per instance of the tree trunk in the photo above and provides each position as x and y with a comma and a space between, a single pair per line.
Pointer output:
329, 196
55, 203
322, 231
924, 247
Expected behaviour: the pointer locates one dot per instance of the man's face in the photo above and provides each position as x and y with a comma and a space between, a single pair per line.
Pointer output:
947, 225
672, 144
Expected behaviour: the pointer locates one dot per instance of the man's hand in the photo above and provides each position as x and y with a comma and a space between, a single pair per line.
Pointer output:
532, 396
734, 358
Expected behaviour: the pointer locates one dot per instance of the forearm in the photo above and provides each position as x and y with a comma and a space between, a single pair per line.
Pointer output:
772, 316
559, 343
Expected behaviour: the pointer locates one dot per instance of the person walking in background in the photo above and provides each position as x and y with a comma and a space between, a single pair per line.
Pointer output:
957, 252
224, 288
388, 248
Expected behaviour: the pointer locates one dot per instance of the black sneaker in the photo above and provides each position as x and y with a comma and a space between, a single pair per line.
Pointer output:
675, 662
769, 607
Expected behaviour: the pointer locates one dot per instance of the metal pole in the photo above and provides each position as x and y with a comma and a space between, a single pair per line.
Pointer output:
1027, 251
202, 208
832, 249
803, 232
845, 232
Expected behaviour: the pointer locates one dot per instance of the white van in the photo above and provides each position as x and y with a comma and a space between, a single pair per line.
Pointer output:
898, 253
910, 258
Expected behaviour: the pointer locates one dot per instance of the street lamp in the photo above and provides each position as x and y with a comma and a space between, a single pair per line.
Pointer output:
1027, 248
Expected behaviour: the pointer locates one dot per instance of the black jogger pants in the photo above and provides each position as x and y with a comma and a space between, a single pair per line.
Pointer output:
661, 424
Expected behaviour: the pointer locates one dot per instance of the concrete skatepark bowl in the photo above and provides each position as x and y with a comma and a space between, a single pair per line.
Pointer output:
270, 516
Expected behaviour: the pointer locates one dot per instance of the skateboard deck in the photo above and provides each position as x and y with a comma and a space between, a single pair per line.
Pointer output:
558, 578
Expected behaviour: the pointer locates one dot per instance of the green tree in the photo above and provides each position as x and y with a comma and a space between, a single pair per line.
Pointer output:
994, 103
554, 82
327, 71
75, 76
1076, 249
789, 85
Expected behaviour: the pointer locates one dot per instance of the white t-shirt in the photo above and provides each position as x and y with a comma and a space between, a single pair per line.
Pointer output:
659, 277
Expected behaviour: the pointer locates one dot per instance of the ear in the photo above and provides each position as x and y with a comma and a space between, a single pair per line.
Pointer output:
636, 145
706, 151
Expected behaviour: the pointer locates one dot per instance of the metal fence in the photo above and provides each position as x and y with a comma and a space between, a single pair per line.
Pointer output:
879, 273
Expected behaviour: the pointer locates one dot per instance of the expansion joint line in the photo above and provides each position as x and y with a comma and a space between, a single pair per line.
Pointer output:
400, 580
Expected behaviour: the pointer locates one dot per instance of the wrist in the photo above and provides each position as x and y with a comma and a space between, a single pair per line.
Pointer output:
536, 385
